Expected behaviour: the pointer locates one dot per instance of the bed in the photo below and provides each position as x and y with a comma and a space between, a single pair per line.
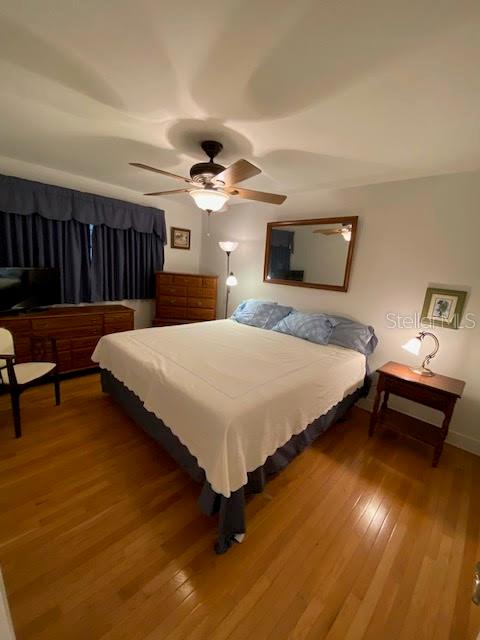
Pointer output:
231, 403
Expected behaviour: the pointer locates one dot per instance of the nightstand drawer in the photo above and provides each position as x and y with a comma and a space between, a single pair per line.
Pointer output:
416, 392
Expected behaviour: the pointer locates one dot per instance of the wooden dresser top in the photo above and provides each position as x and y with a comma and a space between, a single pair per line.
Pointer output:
68, 310
190, 275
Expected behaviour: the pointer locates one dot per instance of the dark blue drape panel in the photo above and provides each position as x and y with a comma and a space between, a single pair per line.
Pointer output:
49, 226
281, 248
56, 203
34, 241
124, 263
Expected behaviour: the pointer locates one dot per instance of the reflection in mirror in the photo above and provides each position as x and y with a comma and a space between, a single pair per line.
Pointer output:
310, 253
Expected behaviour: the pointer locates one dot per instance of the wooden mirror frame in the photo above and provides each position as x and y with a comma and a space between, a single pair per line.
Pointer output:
351, 220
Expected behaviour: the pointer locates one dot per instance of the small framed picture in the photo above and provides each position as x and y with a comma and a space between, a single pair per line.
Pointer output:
179, 238
443, 307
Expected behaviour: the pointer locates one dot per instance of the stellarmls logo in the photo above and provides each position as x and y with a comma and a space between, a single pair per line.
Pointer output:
415, 321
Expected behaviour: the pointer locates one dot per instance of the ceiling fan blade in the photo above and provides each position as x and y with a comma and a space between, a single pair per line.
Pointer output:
328, 232
261, 196
161, 171
237, 172
166, 193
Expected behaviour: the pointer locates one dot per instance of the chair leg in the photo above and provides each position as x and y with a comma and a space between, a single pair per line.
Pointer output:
15, 397
56, 382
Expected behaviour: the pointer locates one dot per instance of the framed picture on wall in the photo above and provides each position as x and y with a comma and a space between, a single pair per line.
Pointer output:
179, 238
443, 307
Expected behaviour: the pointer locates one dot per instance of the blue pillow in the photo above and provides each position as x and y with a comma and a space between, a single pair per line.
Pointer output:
248, 302
353, 335
278, 313
314, 327
258, 313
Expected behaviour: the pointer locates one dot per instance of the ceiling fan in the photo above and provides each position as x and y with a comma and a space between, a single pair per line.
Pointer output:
212, 184
345, 231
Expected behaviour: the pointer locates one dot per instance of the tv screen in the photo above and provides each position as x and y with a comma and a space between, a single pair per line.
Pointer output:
23, 289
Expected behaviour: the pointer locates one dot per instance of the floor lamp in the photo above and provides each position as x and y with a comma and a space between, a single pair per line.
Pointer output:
228, 246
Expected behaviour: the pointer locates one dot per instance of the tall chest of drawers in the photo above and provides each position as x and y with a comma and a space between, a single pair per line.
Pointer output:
184, 297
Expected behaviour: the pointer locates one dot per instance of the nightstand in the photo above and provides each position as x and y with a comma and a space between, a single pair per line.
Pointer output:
438, 392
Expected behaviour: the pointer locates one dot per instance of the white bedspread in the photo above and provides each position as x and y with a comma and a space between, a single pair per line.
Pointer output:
231, 393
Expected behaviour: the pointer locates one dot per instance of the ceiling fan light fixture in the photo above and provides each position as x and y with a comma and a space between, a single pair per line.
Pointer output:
209, 199
218, 182
347, 233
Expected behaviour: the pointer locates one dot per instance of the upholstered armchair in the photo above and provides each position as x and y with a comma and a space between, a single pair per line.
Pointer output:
15, 378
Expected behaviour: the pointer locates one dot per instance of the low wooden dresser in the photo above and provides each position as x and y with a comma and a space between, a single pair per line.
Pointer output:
76, 330
438, 392
185, 297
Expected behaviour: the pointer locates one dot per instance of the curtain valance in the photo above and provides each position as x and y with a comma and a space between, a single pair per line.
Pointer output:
25, 197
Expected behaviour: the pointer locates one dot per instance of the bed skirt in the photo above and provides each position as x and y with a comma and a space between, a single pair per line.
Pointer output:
231, 511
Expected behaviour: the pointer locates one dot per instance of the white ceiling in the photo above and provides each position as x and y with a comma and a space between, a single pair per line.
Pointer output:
318, 93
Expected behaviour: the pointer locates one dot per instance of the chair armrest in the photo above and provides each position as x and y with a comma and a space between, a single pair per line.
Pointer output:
42, 341
7, 356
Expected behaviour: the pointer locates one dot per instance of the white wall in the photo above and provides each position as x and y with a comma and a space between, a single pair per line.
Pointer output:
411, 234
178, 213
186, 216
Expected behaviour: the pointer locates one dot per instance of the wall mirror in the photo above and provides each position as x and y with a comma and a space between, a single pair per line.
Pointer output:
310, 253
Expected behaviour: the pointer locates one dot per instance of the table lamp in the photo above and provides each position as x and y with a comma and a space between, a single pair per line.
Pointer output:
413, 346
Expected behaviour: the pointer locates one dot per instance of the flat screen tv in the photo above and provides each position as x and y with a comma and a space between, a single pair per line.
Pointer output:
23, 289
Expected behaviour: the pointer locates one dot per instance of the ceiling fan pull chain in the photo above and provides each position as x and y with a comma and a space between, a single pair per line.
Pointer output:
208, 223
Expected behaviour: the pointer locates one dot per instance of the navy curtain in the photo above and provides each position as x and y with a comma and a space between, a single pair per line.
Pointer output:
56, 203
281, 248
124, 263
34, 241
104, 249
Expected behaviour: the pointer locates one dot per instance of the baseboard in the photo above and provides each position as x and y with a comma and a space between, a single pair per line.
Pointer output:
464, 442
6, 624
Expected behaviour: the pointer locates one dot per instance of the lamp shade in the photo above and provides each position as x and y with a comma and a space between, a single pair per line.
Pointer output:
231, 281
413, 346
228, 245
209, 199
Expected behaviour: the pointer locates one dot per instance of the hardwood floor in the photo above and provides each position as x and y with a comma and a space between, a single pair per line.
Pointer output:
101, 537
